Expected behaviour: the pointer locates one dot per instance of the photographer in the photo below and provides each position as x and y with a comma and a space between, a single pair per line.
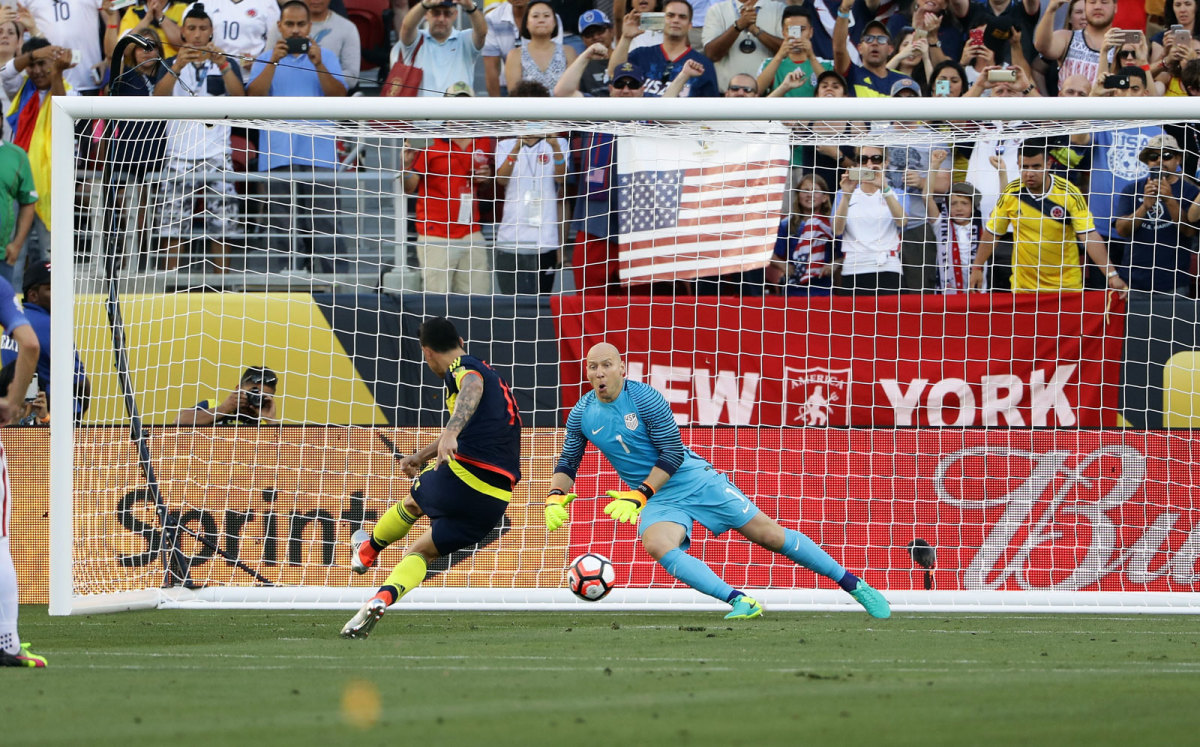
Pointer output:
252, 403
869, 218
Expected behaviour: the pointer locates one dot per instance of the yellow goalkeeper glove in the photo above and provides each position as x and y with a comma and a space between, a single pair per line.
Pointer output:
627, 505
556, 509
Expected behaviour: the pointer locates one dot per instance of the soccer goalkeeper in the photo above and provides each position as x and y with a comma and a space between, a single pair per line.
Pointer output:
632, 425
464, 493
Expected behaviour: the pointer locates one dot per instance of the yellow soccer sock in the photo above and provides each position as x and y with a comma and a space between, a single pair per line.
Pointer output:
392, 526
406, 576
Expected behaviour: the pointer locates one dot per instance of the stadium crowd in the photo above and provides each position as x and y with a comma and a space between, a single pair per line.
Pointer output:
1112, 209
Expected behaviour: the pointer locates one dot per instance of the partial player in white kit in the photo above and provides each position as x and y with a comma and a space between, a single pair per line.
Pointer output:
13, 653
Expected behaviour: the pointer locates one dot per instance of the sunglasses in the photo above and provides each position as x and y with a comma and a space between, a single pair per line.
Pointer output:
876, 39
1161, 155
625, 83
742, 89
870, 159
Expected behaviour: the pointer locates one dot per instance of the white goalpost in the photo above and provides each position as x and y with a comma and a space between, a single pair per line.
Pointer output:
1038, 443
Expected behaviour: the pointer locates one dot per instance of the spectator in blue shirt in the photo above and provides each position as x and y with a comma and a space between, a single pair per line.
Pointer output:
661, 64
296, 66
1155, 214
872, 78
37, 311
445, 55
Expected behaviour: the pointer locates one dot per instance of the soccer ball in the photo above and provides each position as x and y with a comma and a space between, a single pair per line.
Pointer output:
591, 577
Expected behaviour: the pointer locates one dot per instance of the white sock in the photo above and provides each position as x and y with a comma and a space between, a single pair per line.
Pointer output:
8, 601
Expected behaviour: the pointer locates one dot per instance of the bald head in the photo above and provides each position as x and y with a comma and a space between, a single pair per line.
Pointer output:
1075, 86
605, 371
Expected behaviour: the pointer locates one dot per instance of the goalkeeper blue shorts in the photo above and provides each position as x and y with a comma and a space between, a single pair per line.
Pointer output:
463, 503
715, 502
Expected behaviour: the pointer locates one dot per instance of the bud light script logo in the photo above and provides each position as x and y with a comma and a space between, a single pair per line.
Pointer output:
817, 397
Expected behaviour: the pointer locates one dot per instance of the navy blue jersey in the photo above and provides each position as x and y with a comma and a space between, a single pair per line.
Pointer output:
636, 432
11, 313
492, 437
660, 71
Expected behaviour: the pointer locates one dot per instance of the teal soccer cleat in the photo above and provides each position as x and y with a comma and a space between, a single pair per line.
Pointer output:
871, 600
744, 608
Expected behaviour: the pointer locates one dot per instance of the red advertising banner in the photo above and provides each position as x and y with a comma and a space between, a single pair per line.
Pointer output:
1067, 510
1009, 360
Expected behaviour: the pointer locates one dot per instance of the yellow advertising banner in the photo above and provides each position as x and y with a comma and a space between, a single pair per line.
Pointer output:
267, 504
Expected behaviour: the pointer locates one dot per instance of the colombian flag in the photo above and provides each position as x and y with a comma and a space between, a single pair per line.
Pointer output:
31, 131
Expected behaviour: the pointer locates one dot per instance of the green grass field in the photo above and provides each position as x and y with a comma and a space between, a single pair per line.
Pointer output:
604, 678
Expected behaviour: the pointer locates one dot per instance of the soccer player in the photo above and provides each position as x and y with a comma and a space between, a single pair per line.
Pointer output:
13, 653
464, 493
632, 425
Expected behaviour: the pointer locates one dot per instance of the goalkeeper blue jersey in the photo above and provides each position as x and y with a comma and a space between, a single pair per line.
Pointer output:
636, 432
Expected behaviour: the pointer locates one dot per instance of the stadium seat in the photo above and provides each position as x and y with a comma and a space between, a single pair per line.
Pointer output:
367, 16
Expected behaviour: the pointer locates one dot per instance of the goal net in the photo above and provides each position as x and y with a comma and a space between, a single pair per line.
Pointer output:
797, 282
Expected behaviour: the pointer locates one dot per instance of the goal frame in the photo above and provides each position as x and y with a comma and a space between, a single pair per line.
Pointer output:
67, 110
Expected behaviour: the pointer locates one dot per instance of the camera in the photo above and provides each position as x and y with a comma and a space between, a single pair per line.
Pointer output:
1116, 82
862, 175
941, 88
1130, 37
795, 32
255, 398
1002, 76
297, 45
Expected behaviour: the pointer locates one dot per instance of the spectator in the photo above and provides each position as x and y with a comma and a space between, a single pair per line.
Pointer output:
155, 18
872, 78
661, 64
529, 171
198, 153
35, 75
795, 53
826, 160
242, 27
648, 38
911, 61
868, 219
504, 21
444, 54
740, 36
253, 402
1161, 232
299, 201
540, 59
1181, 13
1021, 87
1115, 157
1076, 52
595, 28
567, 14
936, 23
1075, 86
35, 410
36, 303
957, 229
595, 253
135, 147
1049, 219
1006, 24
18, 196
74, 30
337, 35
450, 246
803, 263
977, 56
948, 79
1172, 50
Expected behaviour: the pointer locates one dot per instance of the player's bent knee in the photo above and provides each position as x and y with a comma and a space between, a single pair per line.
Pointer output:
410, 505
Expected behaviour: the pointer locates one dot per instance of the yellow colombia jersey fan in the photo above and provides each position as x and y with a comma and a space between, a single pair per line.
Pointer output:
1046, 234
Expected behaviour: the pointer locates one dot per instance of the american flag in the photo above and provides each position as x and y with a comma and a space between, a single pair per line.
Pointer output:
690, 208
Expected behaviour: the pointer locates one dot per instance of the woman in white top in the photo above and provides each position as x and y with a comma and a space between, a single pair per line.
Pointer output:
540, 59
529, 172
869, 219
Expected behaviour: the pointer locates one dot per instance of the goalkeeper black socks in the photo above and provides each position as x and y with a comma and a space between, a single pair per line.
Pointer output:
849, 582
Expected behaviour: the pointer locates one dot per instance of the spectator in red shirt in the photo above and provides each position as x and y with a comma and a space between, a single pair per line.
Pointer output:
450, 248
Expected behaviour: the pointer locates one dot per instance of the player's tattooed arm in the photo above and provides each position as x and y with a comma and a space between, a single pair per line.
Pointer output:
465, 404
